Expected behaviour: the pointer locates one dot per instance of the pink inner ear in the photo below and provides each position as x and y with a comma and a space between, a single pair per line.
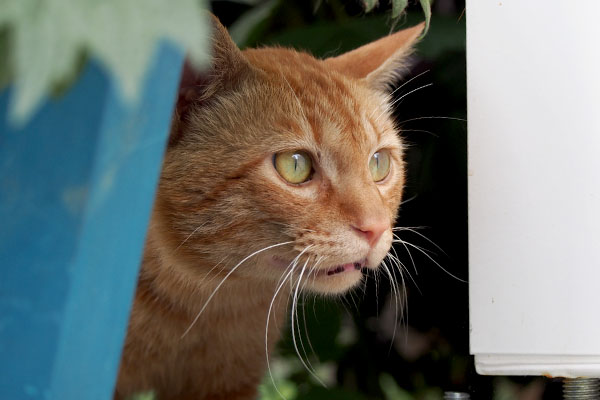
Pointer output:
387, 51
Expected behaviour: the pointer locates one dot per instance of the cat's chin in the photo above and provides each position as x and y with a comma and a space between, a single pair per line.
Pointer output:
335, 284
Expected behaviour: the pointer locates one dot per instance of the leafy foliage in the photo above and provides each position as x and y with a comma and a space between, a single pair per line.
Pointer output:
399, 6
143, 396
369, 5
426, 5
46, 41
243, 26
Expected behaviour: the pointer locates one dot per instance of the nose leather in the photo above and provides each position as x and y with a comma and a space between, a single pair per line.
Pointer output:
371, 229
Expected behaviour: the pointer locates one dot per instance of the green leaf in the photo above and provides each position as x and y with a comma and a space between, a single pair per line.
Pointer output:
426, 6
369, 4
391, 389
398, 7
48, 37
143, 396
283, 387
241, 29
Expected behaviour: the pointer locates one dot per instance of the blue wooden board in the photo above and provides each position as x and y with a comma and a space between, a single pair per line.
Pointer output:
76, 190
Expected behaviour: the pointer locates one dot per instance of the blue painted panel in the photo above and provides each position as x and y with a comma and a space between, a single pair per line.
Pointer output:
76, 188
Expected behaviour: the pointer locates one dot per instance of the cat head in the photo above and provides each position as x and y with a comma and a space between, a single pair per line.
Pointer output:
286, 163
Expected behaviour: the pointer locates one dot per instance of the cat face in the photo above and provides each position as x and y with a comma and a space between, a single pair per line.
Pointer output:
285, 163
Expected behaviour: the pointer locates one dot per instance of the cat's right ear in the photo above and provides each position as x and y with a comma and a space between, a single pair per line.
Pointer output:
379, 63
227, 68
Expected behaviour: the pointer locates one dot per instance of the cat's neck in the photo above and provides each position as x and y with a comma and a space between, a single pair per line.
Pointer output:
200, 288
180, 323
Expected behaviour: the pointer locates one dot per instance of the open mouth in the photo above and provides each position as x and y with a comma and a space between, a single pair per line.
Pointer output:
334, 270
339, 269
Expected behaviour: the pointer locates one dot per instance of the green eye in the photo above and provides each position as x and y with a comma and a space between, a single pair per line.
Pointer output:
379, 165
293, 166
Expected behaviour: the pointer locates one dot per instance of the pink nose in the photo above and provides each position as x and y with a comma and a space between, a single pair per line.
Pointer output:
372, 230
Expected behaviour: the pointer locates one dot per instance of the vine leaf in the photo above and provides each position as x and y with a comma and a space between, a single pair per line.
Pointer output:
47, 37
398, 7
369, 5
243, 27
426, 6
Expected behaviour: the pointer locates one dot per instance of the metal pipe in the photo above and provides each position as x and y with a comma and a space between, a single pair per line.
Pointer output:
581, 389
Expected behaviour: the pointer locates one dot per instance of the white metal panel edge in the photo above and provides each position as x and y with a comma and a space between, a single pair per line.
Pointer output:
533, 75
550, 366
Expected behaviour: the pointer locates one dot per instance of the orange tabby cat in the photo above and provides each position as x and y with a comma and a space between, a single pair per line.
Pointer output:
283, 173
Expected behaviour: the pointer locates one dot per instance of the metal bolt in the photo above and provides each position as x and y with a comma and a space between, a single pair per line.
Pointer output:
456, 396
581, 389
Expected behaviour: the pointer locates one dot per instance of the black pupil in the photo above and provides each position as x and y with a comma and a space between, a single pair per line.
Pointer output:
296, 157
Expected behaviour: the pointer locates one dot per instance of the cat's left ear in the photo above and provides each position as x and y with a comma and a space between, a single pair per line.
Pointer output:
228, 68
380, 62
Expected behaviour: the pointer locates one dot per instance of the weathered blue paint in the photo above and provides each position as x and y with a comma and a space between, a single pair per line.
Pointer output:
76, 189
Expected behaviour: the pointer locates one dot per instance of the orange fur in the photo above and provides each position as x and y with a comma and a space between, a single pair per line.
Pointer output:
220, 199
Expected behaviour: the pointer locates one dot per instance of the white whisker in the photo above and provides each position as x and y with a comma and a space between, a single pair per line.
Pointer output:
410, 92
223, 281
290, 226
389, 96
212, 269
408, 81
281, 282
425, 253
412, 230
351, 294
294, 322
396, 260
189, 236
404, 299
376, 279
394, 289
310, 346
412, 260
432, 117
403, 96
420, 130
406, 201
313, 268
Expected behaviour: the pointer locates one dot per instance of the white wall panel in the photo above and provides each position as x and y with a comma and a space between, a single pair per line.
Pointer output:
533, 72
